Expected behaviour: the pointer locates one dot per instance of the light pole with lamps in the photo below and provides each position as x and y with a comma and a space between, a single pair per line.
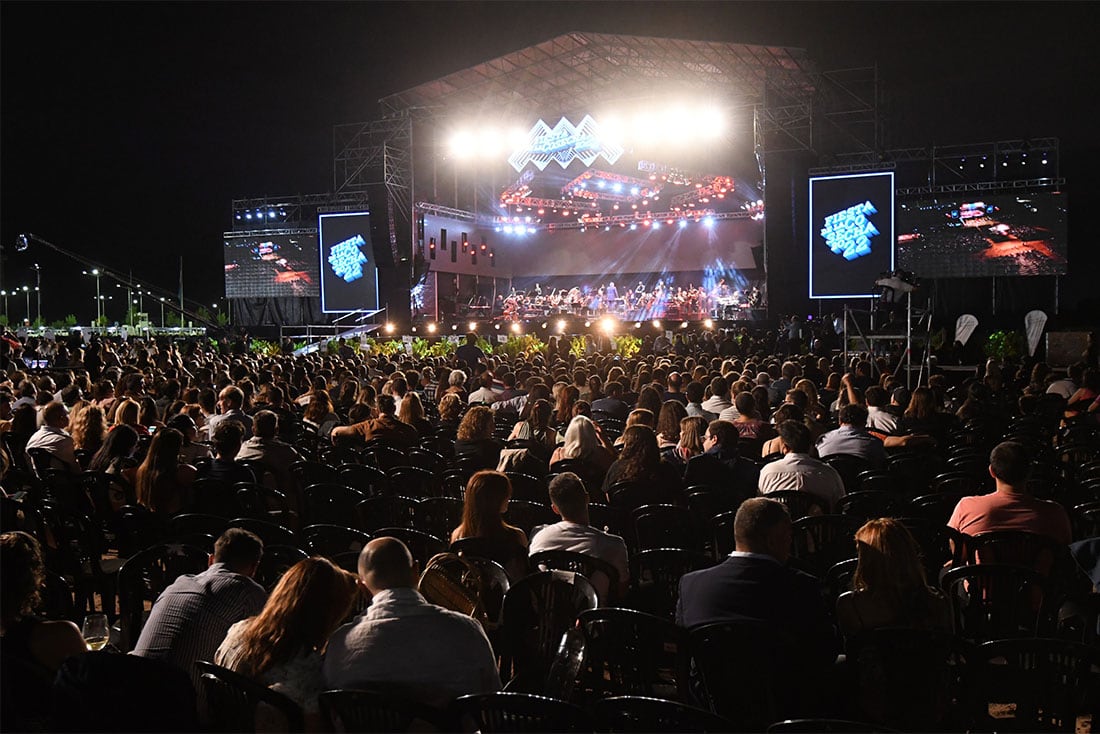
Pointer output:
162, 312
98, 299
38, 289
27, 293
4, 293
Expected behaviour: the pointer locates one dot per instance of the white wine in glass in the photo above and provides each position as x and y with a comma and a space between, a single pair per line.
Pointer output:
96, 631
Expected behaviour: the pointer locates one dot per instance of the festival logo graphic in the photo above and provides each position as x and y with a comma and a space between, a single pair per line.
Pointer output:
564, 143
347, 259
848, 232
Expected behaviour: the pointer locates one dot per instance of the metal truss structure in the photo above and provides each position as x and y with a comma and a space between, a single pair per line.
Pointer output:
380, 152
288, 210
425, 207
1026, 183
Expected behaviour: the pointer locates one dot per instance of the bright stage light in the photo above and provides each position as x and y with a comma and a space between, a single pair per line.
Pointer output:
472, 326
633, 226
454, 327
607, 325
587, 324
431, 328
461, 144
515, 327
708, 324
683, 324
561, 326
508, 229
708, 221
637, 324
656, 323
711, 122
683, 223
390, 328
517, 137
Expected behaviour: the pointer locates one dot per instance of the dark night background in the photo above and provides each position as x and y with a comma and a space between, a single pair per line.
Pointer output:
128, 128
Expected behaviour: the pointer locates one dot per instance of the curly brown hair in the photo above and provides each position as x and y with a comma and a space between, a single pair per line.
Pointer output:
477, 423
22, 573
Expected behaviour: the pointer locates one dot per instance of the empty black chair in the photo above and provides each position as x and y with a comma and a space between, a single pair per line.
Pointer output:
849, 467
331, 504
234, 702
993, 602
826, 726
538, 609
427, 459
912, 472
800, 504
838, 580
411, 481
605, 578
876, 481
193, 523
630, 653
307, 473
821, 541
721, 532
666, 526
959, 483
1086, 520
144, 576
436, 516
370, 480
655, 578
275, 562
935, 507
268, 532
1034, 684
938, 543
528, 488
266, 503
632, 494
386, 511
870, 504
518, 712
136, 528
422, 545
328, 540
643, 714
380, 711
384, 457
214, 497
529, 515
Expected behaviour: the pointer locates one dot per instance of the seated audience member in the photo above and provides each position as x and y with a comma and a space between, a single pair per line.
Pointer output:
720, 465
411, 412
192, 451
1011, 507
640, 461
385, 427
798, 470
569, 499
852, 438
474, 439
127, 413
586, 443
88, 427
282, 646
117, 452
668, 424
534, 428
265, 448
54, 439
320, 414
749, 422
227, 444
693, 431
719, 398
433, 654
32, 649
611, 404
230, 408
755, 583
162, 483
923, 417
450, 411
192, 616
878, 418
486, 501
889, 588
485, 394
694, 393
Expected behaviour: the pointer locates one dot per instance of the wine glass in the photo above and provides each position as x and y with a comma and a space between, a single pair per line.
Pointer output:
96, 631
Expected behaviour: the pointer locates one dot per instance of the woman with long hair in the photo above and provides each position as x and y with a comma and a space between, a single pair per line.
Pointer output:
923, 417
320, 414
534, 428
816, 410
487, 495
749, 423
450, 411
668, 423
148, 415
563, 411
412, 412
129, 414
282, 646
117, 451
692, 430
889, 588
364, 407
474, 439
649, 398
640, 461
88, 427
162, 483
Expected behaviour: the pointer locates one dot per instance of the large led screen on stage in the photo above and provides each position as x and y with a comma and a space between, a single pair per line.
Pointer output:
349, 274
980, 235
851, 239
271, 265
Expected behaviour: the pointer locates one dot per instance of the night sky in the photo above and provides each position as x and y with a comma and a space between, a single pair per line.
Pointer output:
127, 129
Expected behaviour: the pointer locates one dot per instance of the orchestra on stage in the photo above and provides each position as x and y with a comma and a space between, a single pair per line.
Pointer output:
638, 303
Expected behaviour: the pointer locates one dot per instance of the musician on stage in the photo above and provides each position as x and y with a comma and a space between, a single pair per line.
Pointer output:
612, 294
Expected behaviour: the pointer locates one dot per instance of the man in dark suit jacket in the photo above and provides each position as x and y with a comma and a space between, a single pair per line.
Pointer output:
720, 465
755, 583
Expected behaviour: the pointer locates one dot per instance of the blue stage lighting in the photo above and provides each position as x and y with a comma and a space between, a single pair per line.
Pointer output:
508, 229
683, 223
708, 221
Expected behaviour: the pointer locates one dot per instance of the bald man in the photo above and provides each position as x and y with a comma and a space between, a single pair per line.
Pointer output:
434, 654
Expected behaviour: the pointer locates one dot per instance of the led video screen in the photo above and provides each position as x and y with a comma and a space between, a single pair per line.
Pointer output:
976, 235
349, 273
851, 238
271, 265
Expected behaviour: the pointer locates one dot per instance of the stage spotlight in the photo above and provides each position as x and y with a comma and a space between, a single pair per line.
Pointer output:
271, 215
248, 215
633, 226
496, 326
683, 324
708, 221
683, 223
431, 328
515, 327
1044, 161
607, 325
544, 324
508, 229
472, 326
587, 324
413, 330
656, 323
656, 225
454, 327
712, 123
390, 328
708, 324
561, 326
637, 324
461, 144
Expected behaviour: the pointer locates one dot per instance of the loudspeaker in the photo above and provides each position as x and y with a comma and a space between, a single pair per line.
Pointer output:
383, 236
758, 256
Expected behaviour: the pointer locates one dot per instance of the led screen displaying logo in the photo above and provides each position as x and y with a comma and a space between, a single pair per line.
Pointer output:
851, 233
848, 233
564, 143
347, 259
349, 275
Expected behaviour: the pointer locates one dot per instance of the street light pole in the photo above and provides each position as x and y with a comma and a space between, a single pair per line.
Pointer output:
27, 293
162, 312
38, 289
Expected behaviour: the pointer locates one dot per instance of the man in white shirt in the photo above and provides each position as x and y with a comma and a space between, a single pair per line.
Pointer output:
435, 655
53, 438
719, 398
798, 470
484, 394
1068, 385
878, 417
569, 499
